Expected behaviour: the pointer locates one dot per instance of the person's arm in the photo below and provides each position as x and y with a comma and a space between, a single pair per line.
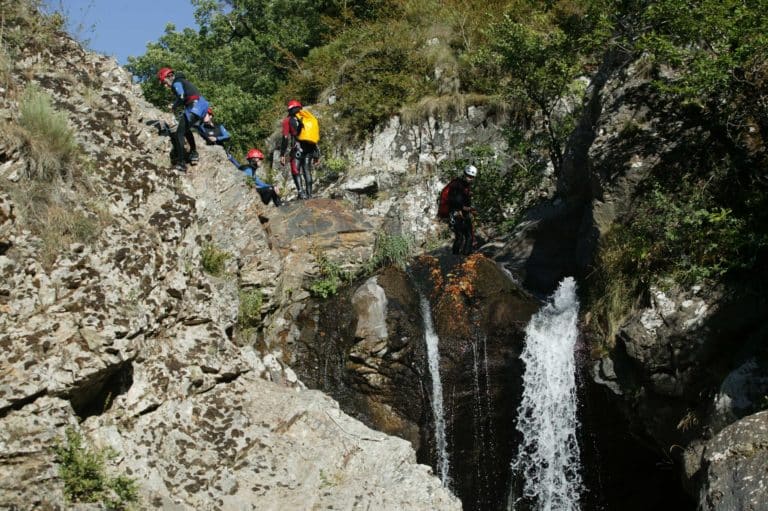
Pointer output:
259, 182
178, 91
233, 160
285, 140
295, 126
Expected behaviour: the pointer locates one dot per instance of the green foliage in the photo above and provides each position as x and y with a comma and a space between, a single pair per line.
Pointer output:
249, 311
717, 49
6, 66
50, 142
213, 259
686, 234
538, 49
372, 71
332, 168
500, 192
332, 278
390, 250
681, 232
83, 471
23, 26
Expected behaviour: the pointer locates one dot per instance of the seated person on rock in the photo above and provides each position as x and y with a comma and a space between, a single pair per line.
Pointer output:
213, 134
266, 191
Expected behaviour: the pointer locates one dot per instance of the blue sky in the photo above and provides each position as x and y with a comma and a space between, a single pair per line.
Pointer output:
123, 27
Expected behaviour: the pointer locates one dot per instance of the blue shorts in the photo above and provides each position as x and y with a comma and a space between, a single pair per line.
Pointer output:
199, 107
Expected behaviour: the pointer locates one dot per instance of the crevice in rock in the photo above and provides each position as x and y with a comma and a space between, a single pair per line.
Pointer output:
97, 396
151, 408
21, 403
227, 377
223, 378
4, 246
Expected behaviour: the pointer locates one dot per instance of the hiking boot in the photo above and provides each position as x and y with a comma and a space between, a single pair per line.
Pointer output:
194, 158
180, 168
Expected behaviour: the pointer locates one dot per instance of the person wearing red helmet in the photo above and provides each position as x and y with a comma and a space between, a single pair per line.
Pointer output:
267, 192
302, 154
195, 107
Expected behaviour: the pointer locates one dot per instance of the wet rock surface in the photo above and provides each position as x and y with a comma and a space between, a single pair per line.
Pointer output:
374, 361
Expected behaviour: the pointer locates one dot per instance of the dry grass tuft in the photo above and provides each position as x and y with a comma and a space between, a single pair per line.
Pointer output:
57, 215
50, 143
451, 106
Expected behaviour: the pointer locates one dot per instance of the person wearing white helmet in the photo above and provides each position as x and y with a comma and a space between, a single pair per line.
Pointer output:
460, 211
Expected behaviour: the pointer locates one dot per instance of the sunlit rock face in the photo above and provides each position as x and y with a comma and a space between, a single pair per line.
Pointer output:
130, 340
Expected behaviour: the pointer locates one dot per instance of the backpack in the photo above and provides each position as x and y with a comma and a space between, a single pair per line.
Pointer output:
310, 127
442, 201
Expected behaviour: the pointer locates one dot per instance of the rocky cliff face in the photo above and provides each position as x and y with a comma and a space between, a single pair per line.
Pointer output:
127, 340
373, 359
686, 362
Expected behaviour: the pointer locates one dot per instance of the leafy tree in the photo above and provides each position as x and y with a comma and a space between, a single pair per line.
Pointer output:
540, 48
717, 50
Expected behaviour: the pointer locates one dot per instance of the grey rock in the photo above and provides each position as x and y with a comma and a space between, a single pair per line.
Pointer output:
734, 467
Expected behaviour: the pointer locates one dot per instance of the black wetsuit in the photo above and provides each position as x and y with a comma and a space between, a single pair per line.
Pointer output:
188, 96
460, 220
302, 153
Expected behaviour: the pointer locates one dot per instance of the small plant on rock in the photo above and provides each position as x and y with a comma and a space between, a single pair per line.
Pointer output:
50, 142
213, 259
83, 471
249, 312
332, 278
390, 250
333, 168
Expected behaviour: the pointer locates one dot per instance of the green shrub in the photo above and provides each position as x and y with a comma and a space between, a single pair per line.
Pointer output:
50, 142
249, 311
332, 278
213, 259
332, 168
688, 235
6, 67
83, 471
390, 250
679, 233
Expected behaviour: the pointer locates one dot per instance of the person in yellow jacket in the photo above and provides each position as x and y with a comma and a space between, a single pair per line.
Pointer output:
302, 154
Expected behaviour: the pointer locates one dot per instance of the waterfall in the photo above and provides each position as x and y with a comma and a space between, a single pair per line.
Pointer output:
546, 468
433, 355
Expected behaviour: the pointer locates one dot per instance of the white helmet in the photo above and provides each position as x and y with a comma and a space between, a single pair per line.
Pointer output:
470, 170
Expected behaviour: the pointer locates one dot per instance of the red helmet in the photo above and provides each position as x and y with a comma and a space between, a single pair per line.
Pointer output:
254, 153
210, 111
163, 73
293, 104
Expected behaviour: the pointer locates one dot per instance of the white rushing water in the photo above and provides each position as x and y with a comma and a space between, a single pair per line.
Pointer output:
443, 465
548, 457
